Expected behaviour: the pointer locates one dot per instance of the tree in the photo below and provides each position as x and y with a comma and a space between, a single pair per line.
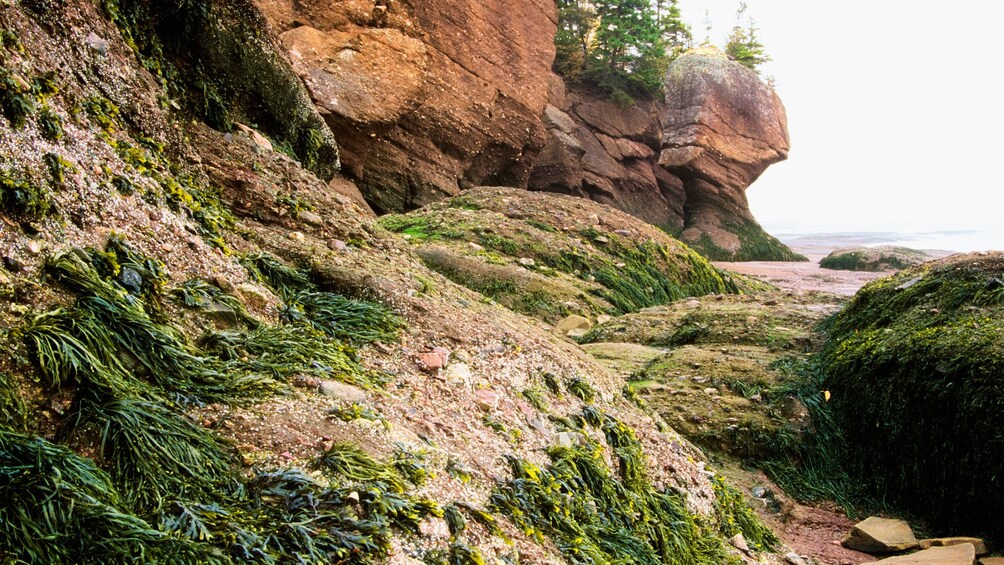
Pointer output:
743, 44
622, 46
577, 23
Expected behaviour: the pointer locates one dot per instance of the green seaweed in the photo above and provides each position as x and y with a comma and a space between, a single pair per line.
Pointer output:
594, 517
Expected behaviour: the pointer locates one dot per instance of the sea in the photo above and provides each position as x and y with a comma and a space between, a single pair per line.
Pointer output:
813, 239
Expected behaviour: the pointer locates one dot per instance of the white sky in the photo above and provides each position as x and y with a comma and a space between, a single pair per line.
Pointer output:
895, 109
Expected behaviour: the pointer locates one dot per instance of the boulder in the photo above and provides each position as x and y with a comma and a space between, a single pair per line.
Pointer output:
880, 535
964, 554
572, 323
722, 127
880, 258
342, 391
979, 544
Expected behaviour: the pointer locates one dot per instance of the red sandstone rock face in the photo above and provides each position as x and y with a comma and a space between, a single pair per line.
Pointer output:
425, 98
723, 127
683, 164
608, 153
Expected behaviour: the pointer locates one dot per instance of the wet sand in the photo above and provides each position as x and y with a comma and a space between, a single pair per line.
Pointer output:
808, 275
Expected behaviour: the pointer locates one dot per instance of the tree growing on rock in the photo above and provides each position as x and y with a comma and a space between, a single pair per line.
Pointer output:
622, 46
743, 44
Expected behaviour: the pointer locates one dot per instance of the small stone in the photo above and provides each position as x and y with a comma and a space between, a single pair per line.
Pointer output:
131, 280
435, 359
978, 544
12, 264
577, 333
34, 247
594, 219
909, 283
602, 319
459, 374
286, 455
539, 425
573, 323
96, 43
565, 439
311, 218
304, 381
220, 312
475, 246
992, 561
625, 233
297, 236
252, 295
711, 391
793, 558
341, 391
601, 239
880, 535
488, 400
760, 492
738, 541
526, 261
337, 245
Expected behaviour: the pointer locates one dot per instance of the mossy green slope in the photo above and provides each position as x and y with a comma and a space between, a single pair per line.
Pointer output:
536, 252
914, 364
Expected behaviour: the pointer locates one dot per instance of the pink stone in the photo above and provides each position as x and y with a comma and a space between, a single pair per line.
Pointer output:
487, 399
435, 359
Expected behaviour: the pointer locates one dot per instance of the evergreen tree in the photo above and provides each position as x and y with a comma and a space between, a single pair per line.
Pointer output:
743, 44
622, 46
577, 23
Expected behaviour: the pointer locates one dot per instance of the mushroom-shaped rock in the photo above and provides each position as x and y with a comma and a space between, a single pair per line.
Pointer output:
723, 127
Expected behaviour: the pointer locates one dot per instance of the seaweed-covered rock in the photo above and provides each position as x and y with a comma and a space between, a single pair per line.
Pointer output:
550, 255
914, 367
881, 258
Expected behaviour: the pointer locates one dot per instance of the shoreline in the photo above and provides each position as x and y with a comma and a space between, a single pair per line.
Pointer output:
808, 276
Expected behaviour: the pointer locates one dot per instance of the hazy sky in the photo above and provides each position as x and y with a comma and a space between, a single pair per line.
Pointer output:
895, 108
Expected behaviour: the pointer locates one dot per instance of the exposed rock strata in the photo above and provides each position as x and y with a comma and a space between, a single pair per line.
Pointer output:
723, 126
425, 99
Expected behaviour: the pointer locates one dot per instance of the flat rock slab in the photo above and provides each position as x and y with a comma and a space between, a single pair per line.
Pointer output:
992, 561
881, 535
964, 554
979, 544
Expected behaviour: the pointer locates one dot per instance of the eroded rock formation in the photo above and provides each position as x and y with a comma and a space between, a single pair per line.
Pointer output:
683, 164
723, 126
608, 153
425, 98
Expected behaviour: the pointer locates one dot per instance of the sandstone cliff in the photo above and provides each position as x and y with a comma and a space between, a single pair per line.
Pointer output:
683, 164
425, 98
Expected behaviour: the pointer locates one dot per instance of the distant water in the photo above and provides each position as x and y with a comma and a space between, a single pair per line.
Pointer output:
806, 239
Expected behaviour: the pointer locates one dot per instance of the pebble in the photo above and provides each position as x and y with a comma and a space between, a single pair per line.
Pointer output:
297, 236
337, 245
12, 264
311, 218
488, 400
526, 261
